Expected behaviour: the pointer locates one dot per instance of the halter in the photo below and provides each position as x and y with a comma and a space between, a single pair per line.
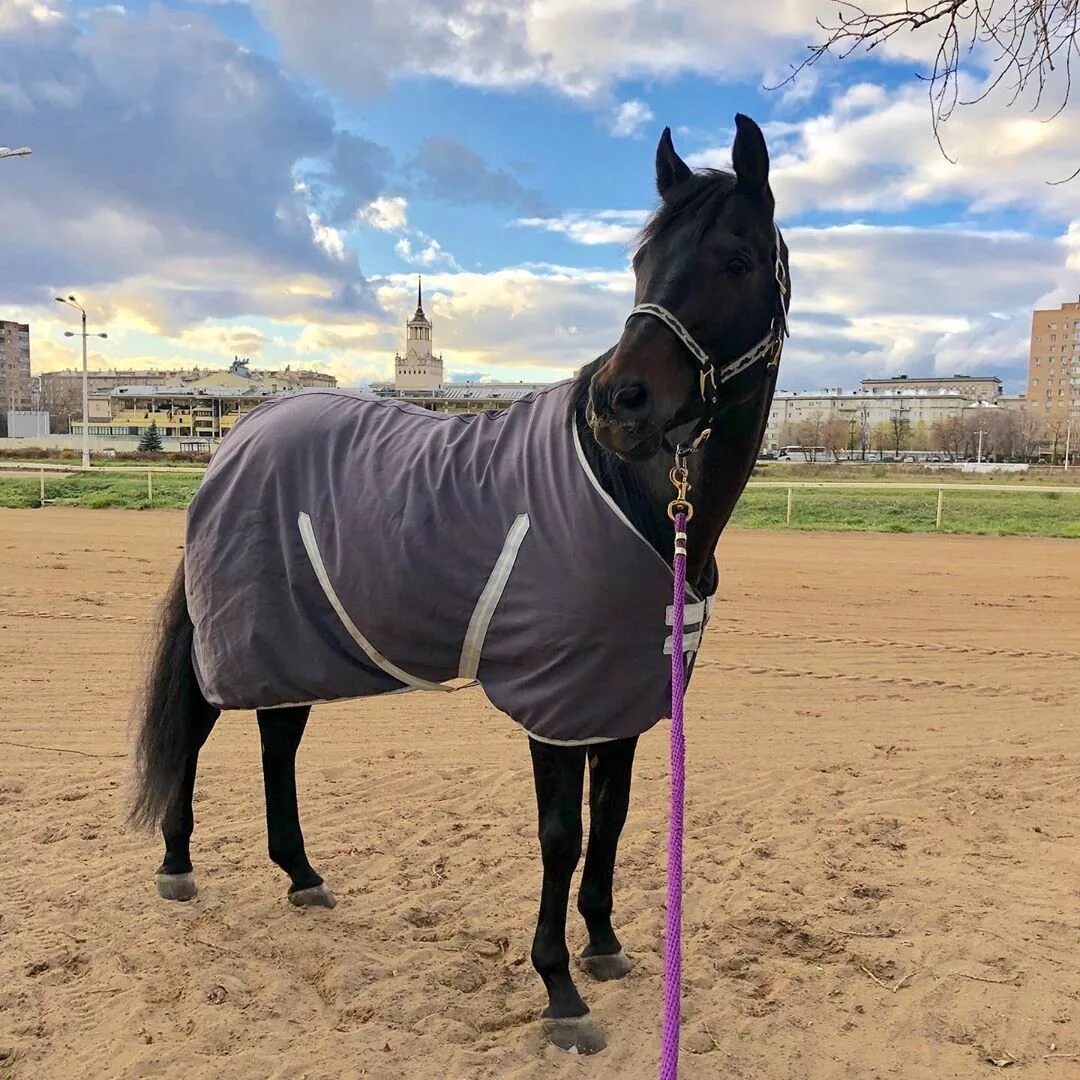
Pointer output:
712, 376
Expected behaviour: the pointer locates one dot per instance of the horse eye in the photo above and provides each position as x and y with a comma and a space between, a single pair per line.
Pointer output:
738, 265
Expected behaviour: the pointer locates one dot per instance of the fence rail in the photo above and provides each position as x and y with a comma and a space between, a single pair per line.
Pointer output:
44, 471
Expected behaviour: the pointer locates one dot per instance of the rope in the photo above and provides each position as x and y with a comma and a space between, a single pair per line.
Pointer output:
669, 1049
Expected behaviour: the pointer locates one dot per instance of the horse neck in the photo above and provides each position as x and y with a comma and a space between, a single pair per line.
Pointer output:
718, 474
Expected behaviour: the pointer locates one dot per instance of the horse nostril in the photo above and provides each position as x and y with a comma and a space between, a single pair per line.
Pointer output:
631, 401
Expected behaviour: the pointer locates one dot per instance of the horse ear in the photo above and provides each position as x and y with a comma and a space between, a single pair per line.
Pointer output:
670, 168
750, 157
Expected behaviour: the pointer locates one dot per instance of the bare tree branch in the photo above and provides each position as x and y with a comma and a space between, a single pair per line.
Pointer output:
1030, 41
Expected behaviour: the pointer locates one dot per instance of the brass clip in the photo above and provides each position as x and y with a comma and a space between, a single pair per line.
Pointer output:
680, 480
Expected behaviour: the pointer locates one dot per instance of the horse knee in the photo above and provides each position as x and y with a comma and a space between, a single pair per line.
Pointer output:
560, 840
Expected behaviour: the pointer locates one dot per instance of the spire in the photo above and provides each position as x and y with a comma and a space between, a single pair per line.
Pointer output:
419, 293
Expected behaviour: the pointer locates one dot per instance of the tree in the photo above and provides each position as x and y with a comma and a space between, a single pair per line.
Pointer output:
947, 434
1029, 435
809, 434
881, 436
1004, 435
150, 439
789, 435
864, 427
1054, 431
834, 436
1028, 42
920, 436
900, 433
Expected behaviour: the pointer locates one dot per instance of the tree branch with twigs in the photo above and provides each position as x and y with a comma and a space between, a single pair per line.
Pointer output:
1029, 41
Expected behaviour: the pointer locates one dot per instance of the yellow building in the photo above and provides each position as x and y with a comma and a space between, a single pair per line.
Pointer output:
203, 409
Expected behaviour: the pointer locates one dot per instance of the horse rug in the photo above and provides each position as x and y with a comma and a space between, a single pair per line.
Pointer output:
344, 545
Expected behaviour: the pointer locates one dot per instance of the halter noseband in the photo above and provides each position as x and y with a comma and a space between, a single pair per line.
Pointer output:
712, 377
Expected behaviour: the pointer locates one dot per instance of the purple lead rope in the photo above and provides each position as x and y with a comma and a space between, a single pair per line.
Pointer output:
669, 1047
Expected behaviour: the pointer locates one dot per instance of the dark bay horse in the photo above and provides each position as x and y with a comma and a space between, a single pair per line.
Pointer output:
696, 358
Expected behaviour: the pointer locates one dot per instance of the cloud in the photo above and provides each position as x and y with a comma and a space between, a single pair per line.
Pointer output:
537, 321
871, 149
429, 255
578, 49
447, 169
225, 340
162, 185
350, 175
327, 237
888, 299
629, 118
388, 213
600, 227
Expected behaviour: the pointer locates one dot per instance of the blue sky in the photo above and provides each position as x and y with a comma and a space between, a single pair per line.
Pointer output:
267, 178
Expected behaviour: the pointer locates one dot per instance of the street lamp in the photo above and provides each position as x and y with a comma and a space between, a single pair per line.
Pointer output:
72, 302
19, 151
980, 405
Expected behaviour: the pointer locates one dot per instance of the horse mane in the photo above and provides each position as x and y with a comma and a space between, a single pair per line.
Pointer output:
701, 195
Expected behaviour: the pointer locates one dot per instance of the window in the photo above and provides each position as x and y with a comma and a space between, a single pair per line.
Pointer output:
1034, 382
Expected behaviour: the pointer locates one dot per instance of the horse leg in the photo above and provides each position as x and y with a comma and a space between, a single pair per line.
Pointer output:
559, 773
174, 877
610, 768
280, 731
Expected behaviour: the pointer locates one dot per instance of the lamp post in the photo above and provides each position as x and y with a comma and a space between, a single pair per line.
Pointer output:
72, 302
981, 432
19, 151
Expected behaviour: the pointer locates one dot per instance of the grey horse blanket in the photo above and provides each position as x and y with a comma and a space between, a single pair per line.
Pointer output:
344, 545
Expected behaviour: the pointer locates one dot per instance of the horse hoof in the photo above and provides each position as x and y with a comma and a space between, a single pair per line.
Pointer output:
316, 896
176, 886
604, 968
575, 1035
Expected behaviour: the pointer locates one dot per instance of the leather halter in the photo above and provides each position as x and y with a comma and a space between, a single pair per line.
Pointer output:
712, 375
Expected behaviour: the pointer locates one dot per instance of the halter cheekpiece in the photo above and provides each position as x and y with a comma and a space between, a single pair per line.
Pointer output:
712, 375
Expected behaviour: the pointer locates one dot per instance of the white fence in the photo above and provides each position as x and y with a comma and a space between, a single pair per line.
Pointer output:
790, 486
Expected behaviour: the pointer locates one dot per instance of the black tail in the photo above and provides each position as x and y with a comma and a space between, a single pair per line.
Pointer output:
171, 700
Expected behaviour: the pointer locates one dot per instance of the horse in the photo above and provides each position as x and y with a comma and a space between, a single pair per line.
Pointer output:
301, 579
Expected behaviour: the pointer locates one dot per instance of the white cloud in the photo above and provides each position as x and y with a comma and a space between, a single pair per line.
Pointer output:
388, 213
216, 229
872, 149
430, 254
579, 49
327, 237
601, 227
629, 118
224, 340
17, 14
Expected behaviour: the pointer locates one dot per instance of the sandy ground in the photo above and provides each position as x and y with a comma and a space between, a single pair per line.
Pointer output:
883, 849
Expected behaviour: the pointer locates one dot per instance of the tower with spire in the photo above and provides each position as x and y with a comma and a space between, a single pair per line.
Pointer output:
419, 368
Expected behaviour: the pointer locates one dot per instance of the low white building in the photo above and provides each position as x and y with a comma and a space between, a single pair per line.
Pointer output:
861, 410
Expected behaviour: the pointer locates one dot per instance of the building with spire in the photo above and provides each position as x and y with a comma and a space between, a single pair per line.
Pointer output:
419, 368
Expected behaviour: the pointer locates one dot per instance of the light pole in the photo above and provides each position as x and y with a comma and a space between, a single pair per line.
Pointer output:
72, 302
1068, 440
981, 432
19, 151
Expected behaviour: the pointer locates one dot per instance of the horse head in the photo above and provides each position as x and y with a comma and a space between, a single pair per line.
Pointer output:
710, 301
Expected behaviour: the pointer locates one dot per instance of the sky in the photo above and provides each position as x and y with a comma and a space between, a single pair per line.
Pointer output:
266, 179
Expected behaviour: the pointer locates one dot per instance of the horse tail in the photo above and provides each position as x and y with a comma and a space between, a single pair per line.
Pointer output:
171, 699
